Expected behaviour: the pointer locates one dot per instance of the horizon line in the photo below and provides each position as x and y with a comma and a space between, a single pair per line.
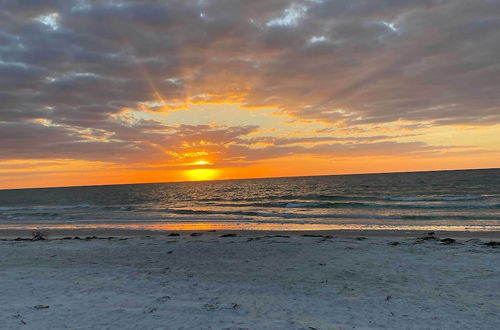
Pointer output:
253, 178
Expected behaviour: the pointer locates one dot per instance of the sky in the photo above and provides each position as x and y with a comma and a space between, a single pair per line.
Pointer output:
107, 92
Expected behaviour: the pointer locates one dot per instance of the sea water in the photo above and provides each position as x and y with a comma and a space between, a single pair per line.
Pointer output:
441, 200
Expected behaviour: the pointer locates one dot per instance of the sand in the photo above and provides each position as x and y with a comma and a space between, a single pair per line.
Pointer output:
249, 281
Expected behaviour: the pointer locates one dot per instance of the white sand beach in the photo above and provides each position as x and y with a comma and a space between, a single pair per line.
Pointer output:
249, 281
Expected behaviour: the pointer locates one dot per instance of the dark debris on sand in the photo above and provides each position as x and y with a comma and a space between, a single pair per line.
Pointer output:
228, 235
492, 244
38, 236
271, 236
448, 241
324, 237
429, 237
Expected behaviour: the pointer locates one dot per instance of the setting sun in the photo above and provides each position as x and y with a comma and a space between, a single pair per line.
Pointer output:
202, 174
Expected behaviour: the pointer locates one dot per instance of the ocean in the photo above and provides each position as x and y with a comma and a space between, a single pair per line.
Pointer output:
440, 200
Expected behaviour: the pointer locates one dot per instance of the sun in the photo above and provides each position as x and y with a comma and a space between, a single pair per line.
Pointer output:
202, 174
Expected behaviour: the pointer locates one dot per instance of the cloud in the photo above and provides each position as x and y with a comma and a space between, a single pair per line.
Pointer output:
68, 69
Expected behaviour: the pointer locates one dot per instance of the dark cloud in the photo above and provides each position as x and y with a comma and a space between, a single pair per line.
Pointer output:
388, 148
67, 68
314, 140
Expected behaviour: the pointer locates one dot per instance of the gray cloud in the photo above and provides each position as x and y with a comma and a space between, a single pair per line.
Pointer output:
76, 64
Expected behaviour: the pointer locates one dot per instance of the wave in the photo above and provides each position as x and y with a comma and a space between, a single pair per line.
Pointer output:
340, 205
173, 215
293, 201
318, 197
437, 206
301, 205
66, 207
322, 197
436, 198
188, 211
264, 209
291, 215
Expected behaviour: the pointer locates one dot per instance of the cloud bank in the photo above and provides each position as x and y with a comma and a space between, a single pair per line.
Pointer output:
71, 70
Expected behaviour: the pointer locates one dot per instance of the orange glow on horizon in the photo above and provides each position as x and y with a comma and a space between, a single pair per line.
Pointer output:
69, 173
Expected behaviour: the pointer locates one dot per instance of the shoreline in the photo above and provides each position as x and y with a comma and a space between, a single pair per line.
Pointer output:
49, 234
